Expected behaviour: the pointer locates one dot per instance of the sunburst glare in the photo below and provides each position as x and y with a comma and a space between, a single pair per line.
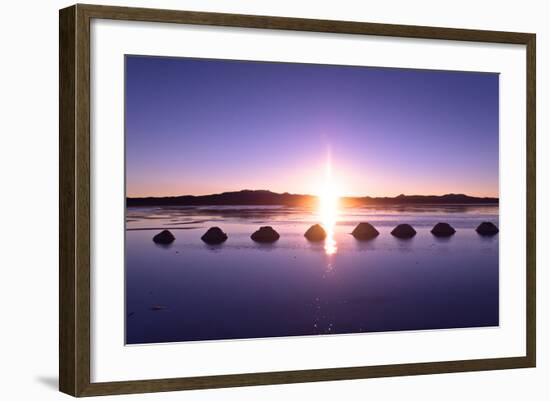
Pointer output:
328, 208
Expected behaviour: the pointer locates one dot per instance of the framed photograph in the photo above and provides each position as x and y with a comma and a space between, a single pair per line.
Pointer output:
250, 200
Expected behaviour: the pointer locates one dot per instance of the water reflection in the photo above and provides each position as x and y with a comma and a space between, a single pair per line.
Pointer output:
329, 218
242, 289
330, 242
330, 262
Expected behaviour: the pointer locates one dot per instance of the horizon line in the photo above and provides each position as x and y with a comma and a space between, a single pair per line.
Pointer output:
301, 194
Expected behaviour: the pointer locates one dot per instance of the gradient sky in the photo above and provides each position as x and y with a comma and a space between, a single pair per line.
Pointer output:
198, 126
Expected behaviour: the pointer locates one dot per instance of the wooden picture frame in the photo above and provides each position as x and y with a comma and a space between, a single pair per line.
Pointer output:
74, 203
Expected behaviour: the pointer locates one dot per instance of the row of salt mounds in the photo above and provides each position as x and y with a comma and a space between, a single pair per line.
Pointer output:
362, 232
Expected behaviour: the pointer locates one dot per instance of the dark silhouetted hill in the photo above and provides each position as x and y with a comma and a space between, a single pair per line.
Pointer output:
267, 198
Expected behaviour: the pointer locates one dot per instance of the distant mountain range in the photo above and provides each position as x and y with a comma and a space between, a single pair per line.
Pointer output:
267, 198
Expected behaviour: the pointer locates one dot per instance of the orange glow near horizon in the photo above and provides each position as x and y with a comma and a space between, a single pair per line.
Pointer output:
304, 179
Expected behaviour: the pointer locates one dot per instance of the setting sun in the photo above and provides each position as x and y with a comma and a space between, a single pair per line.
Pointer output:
328, 208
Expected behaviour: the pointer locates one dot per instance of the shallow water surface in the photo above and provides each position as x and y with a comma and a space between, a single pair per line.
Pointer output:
191, 291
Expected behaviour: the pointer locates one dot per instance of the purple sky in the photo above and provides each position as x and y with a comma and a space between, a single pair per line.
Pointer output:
198, 126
